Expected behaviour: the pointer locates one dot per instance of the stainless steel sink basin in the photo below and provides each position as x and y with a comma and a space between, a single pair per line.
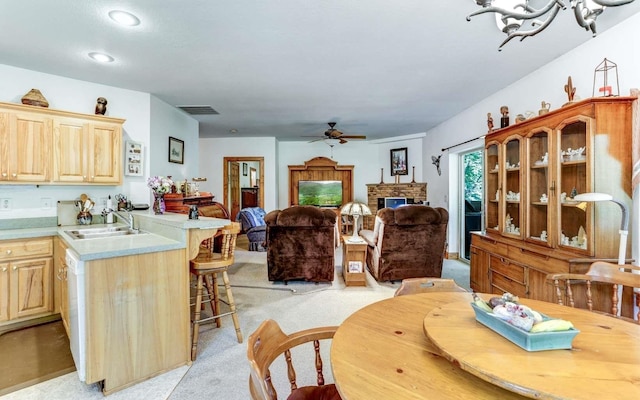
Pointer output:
103, 232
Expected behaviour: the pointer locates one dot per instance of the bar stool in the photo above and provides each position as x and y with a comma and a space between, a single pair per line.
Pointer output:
206, 266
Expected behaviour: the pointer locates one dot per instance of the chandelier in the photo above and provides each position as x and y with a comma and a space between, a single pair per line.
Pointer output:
517, 18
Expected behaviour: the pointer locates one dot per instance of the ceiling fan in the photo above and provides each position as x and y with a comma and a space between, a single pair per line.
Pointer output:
333, 133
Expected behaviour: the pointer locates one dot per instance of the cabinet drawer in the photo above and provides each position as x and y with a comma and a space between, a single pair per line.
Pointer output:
504, 284
15, 249
489, 244
507, 268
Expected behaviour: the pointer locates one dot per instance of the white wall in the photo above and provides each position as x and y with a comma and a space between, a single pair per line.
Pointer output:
367, 157
168, 121
80, 96
213, 151
618, 44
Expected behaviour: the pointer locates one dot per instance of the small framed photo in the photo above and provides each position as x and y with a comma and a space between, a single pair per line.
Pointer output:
355, 267
244, 169
176, 150
134, 158
399, 164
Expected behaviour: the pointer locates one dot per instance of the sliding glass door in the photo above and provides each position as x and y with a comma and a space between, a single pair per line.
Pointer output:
472, 202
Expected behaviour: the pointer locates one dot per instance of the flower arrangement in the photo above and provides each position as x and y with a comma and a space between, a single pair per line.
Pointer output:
160, 184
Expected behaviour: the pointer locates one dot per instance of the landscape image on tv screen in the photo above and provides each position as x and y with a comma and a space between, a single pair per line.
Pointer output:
320, 193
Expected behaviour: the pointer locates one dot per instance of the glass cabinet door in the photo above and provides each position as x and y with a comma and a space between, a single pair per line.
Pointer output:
492, 186
540, 189
512, 184
574, 178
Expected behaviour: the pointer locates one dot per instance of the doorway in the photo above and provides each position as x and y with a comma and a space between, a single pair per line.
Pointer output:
471, 199
236, 177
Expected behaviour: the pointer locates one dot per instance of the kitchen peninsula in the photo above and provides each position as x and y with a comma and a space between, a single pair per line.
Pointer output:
134, 290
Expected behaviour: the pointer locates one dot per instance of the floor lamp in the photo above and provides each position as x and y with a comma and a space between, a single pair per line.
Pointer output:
624, 229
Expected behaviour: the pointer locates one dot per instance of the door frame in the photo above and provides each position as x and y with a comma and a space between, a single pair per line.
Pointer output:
225, 177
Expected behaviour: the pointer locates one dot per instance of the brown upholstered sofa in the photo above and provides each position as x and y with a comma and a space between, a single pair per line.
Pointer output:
407, 242
301, 244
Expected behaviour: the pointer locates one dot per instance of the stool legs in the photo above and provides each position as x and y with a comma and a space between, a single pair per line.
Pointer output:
196, 318
232, 305
210, 281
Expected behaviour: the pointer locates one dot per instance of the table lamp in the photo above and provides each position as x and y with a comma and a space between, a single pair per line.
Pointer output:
624, 228
355, 209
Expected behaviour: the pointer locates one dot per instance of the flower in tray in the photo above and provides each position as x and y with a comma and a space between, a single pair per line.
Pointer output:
160, 184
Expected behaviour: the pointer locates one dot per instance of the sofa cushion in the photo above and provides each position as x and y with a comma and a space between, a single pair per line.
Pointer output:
254, 216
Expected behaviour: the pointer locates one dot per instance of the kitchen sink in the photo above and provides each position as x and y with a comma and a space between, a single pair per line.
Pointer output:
103, 232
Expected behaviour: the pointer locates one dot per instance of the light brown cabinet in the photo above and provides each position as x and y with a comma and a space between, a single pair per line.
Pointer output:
87, 152
61, 291
25, 146
533, 170
44, 146
25, 279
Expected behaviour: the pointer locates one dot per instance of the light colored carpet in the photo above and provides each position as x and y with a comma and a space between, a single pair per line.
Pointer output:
221, 370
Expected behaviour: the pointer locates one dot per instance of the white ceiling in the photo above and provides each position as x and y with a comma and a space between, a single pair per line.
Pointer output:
285, 68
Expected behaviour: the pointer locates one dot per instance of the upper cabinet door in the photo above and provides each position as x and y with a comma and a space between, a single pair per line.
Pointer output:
574, 155
70, 140
513, 218
28, 148
540, 191
492, 186
105, 153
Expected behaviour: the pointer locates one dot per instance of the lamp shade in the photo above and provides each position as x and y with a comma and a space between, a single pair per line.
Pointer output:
355, 208
593, 197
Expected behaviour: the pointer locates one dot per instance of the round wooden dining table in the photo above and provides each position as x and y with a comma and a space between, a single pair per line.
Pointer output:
603, 362
382, 352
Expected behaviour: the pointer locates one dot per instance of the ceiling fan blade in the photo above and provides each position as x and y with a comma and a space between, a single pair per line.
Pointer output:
316, 140
353, 137
342, 141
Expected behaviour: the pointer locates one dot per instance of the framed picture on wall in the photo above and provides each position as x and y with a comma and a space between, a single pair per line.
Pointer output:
399, 163
176, 150
134, 158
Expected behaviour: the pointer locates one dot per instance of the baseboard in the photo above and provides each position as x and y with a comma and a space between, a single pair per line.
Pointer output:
452, 256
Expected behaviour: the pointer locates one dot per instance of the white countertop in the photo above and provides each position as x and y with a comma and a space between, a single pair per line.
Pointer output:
146, 242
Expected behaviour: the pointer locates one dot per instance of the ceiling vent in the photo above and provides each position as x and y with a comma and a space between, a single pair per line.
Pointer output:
199, 110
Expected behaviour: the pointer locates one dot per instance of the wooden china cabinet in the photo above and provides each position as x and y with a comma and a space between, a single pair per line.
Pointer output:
533, 170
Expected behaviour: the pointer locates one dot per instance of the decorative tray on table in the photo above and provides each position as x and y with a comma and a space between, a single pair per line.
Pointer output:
529, 341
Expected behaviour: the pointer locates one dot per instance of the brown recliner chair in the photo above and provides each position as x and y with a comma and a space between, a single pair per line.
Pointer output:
407, 242
300, 244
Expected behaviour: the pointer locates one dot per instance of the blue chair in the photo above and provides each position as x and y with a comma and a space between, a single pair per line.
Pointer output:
252, 219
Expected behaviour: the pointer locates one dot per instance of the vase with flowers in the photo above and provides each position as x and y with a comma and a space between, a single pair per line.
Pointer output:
159, 186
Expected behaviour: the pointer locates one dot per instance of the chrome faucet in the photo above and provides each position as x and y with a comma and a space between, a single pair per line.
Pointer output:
128, 217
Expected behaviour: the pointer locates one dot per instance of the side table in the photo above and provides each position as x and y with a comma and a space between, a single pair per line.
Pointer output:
354, 262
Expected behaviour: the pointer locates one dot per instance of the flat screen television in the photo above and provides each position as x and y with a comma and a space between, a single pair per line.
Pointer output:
393, 202
320, 193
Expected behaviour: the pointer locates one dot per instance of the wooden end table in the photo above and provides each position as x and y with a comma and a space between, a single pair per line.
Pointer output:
354, 262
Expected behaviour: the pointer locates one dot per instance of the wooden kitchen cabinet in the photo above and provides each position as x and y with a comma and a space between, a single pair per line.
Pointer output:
26, 279
533, 170
139, 305
61, 290
87, 152
44, 146
25, 146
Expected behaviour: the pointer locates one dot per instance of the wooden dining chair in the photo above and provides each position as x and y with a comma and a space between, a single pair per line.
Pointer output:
426, 285
268, 343
206, 267
575, 289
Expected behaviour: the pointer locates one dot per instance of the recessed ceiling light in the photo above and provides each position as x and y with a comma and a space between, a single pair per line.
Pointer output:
124, 18
101, 57
233, 131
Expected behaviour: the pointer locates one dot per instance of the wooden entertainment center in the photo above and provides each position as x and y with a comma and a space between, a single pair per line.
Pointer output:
321, 169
